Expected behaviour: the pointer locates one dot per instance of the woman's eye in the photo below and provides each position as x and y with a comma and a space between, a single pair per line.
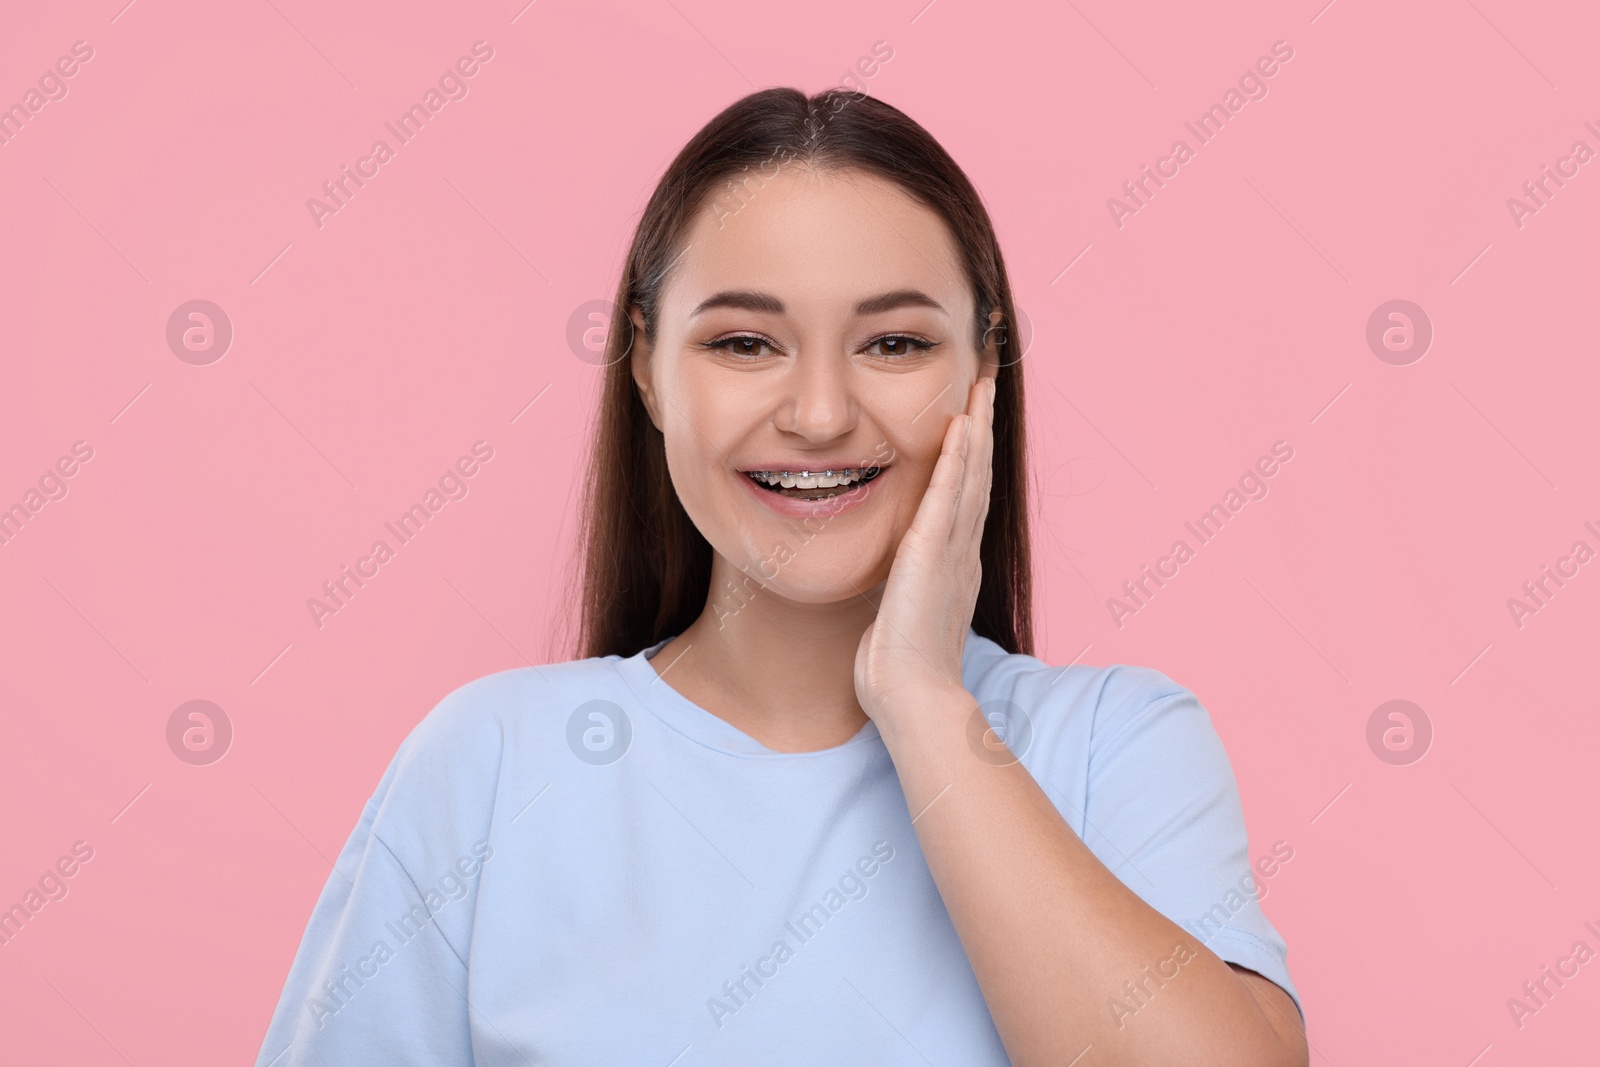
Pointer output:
741, 345
900, 346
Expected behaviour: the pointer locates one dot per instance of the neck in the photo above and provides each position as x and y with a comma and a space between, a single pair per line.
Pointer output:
780, 670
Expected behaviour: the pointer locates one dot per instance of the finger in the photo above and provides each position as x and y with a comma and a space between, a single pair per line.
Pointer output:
973, 414
936, 513
983, 466
973, 501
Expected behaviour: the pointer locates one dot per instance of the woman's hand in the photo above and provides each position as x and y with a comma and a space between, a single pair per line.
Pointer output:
911, 654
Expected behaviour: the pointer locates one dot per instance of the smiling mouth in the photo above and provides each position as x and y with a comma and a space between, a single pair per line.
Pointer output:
813, 485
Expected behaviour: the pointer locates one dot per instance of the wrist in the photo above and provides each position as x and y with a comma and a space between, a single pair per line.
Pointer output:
925, 714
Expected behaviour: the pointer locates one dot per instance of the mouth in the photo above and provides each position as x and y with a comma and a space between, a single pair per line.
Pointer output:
813, 485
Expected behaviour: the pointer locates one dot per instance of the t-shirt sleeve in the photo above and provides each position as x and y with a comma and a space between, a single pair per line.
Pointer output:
1163, 812
380, 977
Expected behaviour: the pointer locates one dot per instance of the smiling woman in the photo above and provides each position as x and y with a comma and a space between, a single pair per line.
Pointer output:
812, 406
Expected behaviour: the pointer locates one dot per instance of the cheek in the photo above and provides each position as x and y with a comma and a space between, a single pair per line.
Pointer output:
915, 414
693, 463
917, 450
696, 420
699, 437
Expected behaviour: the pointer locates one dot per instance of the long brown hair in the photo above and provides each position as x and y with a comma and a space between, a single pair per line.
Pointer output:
646, 570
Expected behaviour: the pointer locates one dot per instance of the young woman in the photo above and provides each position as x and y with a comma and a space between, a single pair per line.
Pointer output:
809, 798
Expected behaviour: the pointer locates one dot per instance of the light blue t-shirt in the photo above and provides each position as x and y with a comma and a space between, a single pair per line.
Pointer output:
575, 864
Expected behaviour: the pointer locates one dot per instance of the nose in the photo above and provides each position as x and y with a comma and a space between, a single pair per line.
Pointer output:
817, 402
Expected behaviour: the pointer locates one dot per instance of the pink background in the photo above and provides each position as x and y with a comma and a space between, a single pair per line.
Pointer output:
368, 354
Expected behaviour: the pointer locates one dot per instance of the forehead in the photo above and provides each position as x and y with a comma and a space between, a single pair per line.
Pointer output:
819, 241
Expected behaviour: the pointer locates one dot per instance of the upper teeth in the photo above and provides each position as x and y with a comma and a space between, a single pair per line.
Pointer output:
810, 479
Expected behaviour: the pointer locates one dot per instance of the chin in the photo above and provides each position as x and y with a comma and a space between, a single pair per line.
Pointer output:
831, 591
812, 576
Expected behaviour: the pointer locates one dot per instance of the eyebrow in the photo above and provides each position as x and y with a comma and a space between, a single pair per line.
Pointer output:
749, 300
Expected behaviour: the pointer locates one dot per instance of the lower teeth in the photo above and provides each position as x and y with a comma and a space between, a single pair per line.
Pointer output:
814, 494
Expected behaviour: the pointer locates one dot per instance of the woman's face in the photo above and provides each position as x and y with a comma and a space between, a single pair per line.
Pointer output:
823, 323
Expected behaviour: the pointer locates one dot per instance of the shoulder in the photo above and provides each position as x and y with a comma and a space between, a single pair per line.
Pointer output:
475, 717
456, 754
1100, 706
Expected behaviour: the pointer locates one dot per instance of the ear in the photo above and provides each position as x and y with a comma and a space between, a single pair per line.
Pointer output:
994, 335
639, 365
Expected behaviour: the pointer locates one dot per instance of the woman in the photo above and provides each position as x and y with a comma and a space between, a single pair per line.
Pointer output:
809, 799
